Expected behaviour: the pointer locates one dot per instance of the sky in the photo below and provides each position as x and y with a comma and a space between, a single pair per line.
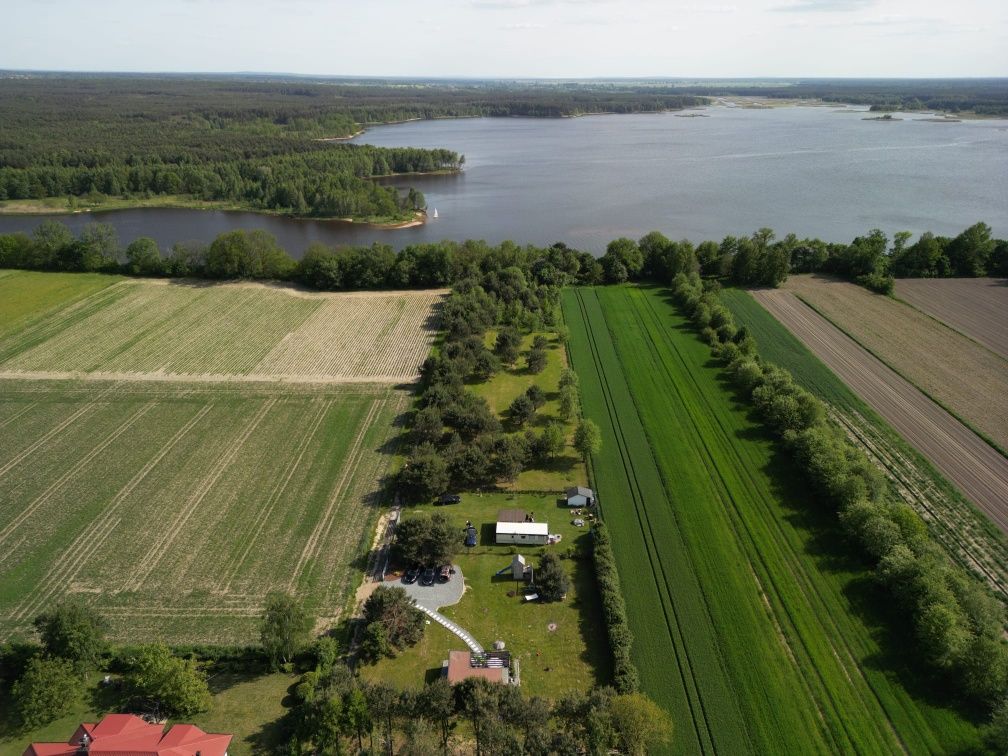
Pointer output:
513, 38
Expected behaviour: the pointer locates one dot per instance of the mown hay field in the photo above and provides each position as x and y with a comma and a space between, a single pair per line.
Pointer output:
194, 331
754, 624
963, 376
175, 508
976, 307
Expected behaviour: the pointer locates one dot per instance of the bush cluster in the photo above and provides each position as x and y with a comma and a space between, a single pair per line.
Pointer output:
625, 678
957, 623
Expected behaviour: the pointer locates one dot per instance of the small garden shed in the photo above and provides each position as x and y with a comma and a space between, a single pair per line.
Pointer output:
579, 496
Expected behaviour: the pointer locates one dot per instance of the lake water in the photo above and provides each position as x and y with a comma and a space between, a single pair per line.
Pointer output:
816, 171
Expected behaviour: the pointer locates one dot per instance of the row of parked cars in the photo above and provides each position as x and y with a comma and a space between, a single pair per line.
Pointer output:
428, 575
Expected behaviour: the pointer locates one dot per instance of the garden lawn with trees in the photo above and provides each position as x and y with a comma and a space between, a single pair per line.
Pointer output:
718, 544
574, 656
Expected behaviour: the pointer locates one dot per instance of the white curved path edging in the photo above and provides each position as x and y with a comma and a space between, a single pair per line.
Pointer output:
430, 598
475, 647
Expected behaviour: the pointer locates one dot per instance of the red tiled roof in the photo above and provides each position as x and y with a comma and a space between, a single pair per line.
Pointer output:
128, 735
460, 667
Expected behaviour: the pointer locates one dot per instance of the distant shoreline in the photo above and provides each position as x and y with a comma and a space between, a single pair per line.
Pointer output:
58, 206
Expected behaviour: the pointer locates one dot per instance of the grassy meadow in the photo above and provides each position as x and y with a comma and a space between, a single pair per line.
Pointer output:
753, 625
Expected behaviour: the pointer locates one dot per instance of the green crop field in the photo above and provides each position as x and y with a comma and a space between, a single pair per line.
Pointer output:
754, 626
24, 294
174, 508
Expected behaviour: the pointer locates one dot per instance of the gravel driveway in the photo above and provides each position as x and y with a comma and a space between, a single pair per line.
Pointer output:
437, 595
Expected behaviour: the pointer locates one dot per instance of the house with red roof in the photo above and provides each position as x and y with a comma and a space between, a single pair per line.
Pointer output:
129, 735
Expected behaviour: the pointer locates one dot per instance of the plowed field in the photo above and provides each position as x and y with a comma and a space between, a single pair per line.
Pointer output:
977, 307
976, 469
966, 378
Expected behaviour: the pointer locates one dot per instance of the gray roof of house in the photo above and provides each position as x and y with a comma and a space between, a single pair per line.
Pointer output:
580, 490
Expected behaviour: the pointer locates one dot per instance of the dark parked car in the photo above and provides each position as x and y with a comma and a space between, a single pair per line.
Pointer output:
411, 575
448, 499
445, 574
427, 576
470, 537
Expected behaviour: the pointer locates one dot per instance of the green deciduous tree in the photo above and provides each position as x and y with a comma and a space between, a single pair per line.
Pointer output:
396, 611
521, 410
587, 438
285, 628
48, 689
536, 360
75, 632
426, 539
178, 685
640, 723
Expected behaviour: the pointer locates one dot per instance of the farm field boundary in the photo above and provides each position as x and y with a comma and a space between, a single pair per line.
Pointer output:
695, 495
971, 464
175, 508
976, 307
968, 535
186, 331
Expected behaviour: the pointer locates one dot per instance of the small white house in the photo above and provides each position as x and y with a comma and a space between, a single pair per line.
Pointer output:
531, 533
579, 496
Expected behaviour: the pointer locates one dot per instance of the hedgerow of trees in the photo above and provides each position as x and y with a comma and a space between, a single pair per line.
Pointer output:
958, 625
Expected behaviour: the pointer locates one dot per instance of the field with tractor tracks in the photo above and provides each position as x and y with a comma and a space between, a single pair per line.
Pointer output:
968, 536
976, 307
967, 379
194, 331
175, 508
977, 469
754, 624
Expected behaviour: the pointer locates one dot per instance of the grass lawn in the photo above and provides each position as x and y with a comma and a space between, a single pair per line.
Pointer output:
249, 707
574, 656
568, 469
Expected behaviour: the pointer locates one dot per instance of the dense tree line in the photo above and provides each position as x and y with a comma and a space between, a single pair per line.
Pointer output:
333, 709
625, 676
514, 275
957, 623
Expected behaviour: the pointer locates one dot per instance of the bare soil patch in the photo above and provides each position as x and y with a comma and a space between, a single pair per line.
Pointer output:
976, 307
968, 379
972, 465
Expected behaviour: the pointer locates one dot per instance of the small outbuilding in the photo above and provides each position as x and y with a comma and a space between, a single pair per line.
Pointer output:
579, 496
529, 533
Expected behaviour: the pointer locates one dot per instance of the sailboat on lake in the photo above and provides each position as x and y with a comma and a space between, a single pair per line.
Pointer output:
435, 212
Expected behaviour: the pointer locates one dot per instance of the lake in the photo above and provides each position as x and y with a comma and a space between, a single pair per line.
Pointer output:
816, 171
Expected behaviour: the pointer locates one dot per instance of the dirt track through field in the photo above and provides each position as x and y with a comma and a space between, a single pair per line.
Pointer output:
976, 307
972, 465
